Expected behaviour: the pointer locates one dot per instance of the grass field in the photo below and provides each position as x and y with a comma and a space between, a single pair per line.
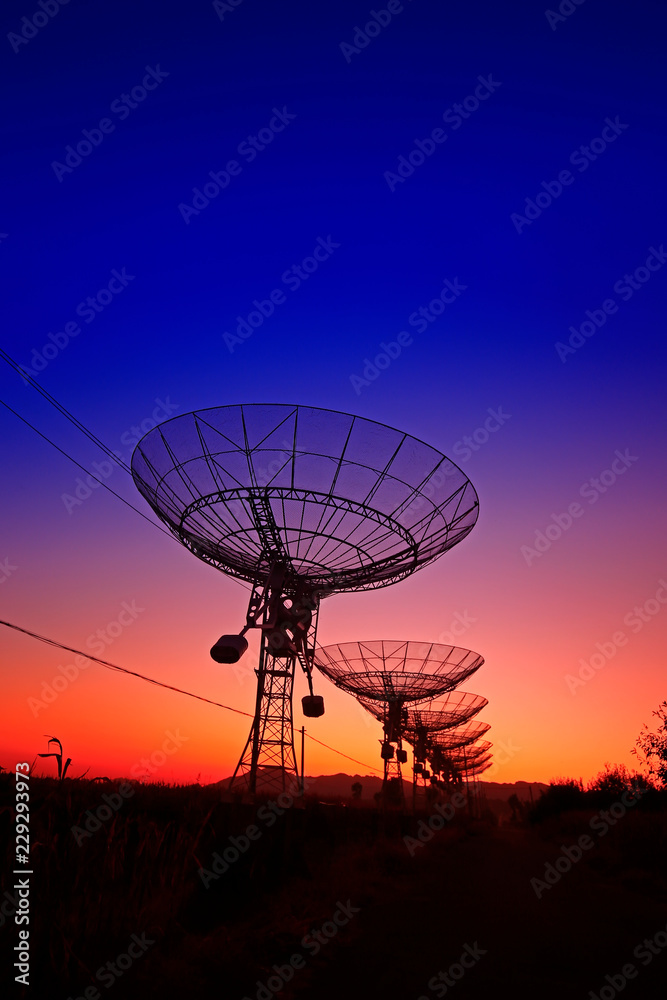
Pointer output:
149, 889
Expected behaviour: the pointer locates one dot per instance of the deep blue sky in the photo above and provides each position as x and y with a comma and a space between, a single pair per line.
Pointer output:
323, 176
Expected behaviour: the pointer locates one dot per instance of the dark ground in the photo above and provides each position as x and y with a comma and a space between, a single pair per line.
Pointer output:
469, 885
477, 891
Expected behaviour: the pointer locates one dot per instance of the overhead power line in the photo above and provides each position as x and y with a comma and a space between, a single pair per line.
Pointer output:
169, 687
343, 754
97, 479
123, 465
63, 409
84, 469
122, 670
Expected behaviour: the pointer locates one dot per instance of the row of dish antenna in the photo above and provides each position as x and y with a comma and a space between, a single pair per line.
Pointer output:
302, 503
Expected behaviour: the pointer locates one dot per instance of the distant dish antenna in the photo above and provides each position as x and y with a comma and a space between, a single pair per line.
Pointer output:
388, 677
476, 769
300, 503
469, 756
461, 736
438, 731
458, 708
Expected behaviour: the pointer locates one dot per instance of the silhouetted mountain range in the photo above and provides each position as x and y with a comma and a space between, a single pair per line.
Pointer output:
331, 786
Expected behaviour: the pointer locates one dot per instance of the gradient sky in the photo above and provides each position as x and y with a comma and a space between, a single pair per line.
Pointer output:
161, 340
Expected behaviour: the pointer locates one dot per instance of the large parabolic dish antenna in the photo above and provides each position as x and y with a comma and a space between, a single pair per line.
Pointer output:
346, 503
459, 707
422, 725
299, 502
444, 735
388, 676
385, 671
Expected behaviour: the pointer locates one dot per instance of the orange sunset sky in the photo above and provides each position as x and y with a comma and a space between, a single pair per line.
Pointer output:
72, 575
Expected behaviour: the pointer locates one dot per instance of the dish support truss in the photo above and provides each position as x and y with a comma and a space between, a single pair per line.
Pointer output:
288, 625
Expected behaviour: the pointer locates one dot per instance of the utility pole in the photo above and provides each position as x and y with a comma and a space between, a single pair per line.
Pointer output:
303, 741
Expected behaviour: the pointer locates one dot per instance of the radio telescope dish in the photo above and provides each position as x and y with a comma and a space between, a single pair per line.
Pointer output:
471, 769
479, 768
462, 770
461, 736
442, 746
470, 754
438, 731
457, 708
388, 675
344, 502
300, 502
396, 670
456, 764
